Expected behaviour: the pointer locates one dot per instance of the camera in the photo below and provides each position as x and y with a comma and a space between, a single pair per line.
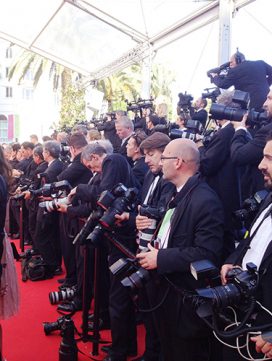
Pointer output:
53, 205
63, 295
220, 111
220, 70
52, 188
250, 207
119, 200
193, 127
110, 203
65, 155
131, 274
139, 104
49, 327
24, 185
146, 235
185, 103
241, 286
211, 93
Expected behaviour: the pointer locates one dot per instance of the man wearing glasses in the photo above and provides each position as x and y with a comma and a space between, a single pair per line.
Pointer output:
191, 230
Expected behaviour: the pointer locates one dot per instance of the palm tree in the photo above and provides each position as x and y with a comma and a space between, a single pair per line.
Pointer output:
63, 80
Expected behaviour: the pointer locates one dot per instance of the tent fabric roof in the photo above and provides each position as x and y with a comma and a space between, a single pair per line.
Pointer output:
95, 37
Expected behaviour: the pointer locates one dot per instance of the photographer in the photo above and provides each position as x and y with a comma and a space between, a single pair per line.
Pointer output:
256, 248
76, 173
33, 203
47, 228
247, 151
108, 127
219, 171
191, 230
253, 77
124, 129
200, 113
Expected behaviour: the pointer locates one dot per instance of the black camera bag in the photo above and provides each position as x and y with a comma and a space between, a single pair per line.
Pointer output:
34, 269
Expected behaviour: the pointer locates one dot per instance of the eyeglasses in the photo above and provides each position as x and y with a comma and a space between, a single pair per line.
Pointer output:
164, 158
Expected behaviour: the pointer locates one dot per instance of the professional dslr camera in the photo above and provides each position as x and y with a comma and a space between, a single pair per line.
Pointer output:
131, 274
24, 185
220, 111
211, 93
193, 127
185, 104
239, 290
250, 207
56, 190
120, 199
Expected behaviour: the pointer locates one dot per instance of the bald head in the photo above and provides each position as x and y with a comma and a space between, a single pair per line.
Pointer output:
180, 161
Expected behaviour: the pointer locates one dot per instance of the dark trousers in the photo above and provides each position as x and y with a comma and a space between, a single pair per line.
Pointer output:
103, 271
67, 247
47, 238
122, 314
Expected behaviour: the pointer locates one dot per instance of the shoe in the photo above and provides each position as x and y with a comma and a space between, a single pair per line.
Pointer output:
61, 280
107, 349
67, 284
141, 358
69, 306
58, 271
15, 236
110, 358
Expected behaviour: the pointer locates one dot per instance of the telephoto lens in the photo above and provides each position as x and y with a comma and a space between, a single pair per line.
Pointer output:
63, 295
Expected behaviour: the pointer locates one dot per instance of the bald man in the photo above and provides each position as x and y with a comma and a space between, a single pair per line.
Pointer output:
191, 230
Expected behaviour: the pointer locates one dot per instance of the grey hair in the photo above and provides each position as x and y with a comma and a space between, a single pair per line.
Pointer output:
53, 148
226, 97
98, 147
126, 122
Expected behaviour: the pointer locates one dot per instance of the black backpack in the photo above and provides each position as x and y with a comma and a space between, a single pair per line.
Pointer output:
34, 268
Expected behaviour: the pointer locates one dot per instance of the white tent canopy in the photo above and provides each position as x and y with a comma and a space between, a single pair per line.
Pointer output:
97, 37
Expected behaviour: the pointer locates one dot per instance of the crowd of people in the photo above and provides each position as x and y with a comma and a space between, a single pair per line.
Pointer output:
183, 195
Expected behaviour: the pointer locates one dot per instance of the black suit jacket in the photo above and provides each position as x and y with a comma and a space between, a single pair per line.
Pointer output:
201, 116
220, 172
139, 169
196, 234
53, 170
76, 173
253, 77
248, 153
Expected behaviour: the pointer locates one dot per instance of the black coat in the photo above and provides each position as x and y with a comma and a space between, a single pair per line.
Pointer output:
110, 134
201, 116
248, 153
76, 173
196, 233
253, 77
53, 170
115, 169
220, 172
139, 169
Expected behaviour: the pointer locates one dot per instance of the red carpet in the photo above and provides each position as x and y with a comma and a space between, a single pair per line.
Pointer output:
23, 335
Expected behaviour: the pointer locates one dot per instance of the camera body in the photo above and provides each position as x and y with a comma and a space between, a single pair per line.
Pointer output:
240, 288
130, 273
120, 199
193, 127
250, 207
50, 189
220, 111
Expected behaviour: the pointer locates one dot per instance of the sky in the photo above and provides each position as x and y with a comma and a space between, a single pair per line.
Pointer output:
191, 57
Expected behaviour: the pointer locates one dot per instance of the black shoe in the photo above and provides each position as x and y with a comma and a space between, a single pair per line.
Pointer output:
141, 358
58, 271
69, 306
102, 325
107, 349
110, 358
67, 284
61, 280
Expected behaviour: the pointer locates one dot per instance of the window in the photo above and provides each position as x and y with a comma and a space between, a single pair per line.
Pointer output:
27, 94
8, 92
3, 129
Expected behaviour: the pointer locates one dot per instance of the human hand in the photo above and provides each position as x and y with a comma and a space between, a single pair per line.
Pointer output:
224, 270
62, 208
143, 222
242, 123
27, 194
148, 260
71, 194
121, 218
262, 346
